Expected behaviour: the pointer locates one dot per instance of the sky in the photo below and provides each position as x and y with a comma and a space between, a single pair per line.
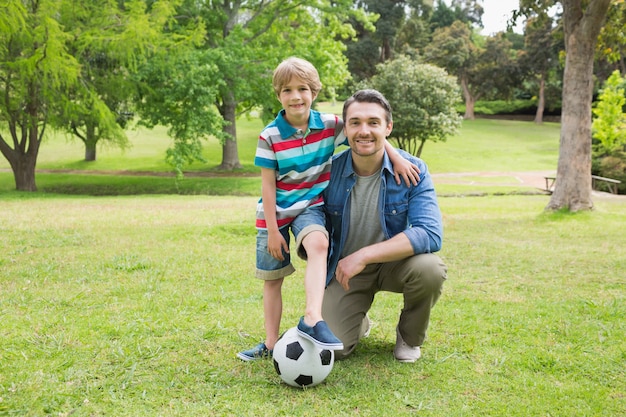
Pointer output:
496, 14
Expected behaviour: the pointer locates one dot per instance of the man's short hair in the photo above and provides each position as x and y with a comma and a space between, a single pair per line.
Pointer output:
368, 96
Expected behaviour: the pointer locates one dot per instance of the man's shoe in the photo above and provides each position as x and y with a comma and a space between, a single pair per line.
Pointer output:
404, 352
260, 351
320, 335
366, 327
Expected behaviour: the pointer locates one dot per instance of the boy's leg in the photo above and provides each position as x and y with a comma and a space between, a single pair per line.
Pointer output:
272, 310
272, 272
316, 246
312, 245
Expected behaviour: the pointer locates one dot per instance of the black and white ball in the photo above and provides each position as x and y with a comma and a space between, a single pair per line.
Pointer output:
299, 362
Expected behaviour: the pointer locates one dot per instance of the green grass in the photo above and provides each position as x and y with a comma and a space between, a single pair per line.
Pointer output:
482, 145
131, 304
136, 305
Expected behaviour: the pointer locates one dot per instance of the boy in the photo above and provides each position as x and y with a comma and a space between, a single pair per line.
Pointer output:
294, 153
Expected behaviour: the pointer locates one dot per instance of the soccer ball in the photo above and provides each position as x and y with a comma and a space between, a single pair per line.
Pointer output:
299, 362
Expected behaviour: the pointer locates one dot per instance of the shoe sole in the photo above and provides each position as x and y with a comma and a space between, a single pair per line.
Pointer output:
407, 360
247, 358
321, 345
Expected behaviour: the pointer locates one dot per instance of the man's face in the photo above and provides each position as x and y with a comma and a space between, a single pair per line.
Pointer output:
366, 128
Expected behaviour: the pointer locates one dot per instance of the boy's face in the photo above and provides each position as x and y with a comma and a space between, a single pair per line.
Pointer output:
296, 97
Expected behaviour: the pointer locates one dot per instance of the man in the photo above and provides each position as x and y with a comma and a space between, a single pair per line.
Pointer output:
382, 234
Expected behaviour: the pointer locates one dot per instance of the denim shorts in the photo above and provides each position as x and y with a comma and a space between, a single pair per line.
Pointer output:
268, 267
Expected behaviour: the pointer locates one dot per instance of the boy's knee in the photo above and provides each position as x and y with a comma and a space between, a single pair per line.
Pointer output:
313, 244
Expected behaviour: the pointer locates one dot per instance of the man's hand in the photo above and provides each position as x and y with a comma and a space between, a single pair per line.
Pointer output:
348, 267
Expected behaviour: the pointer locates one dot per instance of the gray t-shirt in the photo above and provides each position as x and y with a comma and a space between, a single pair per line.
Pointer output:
365, 228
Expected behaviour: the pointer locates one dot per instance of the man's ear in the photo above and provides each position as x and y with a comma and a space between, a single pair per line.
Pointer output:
389, 128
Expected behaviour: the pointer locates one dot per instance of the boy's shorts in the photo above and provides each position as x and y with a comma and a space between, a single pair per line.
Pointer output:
269, 268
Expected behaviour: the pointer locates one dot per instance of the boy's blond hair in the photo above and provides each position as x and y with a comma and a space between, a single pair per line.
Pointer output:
296, 67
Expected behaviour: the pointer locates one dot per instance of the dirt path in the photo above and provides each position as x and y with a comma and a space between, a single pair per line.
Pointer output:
531, 178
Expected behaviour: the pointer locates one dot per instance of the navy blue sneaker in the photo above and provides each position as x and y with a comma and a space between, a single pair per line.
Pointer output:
320, 335
260, 351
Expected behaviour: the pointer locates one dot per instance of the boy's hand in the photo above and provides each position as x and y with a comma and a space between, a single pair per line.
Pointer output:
276, 244
408, 171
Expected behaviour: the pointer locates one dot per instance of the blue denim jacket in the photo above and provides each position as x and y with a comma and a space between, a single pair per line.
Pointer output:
411, 210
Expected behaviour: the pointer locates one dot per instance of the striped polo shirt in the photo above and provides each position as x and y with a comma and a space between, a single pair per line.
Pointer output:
301, 161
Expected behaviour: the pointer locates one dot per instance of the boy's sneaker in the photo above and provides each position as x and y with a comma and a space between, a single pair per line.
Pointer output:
260, 351
320, 335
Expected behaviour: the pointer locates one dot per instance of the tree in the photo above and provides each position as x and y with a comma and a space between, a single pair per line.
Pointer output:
99, 106
612, 39
452, 48
243, 43
392, 15
466, 11
609, 125
540, 57
482, 72
36, 74
582, 21
422, 97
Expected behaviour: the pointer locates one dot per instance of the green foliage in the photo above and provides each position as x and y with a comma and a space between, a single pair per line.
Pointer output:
422, 97
501, 107
611, 166
245, 41
609, 124
179, 90
37, 72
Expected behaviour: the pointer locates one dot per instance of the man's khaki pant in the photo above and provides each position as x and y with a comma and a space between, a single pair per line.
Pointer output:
419, 278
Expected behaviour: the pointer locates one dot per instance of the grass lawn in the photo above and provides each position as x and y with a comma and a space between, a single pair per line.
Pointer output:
134, 303
481, 145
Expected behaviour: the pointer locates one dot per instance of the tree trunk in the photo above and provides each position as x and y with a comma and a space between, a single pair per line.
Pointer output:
541, 105
23, 161
572, 188
24, 173
90, 143
469, 100
230, 155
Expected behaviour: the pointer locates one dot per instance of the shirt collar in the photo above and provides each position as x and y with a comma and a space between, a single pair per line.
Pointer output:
349, 170
286, 130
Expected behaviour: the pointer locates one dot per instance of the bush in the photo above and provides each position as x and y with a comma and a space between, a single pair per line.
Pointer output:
502, 107
612, 166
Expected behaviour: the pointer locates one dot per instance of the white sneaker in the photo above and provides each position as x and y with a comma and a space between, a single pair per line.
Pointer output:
366, 326
404, 352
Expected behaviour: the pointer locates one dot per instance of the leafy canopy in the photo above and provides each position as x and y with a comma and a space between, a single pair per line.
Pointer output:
423, 99
609, 125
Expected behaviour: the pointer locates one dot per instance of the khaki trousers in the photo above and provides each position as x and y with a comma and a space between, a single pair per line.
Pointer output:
419, 278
